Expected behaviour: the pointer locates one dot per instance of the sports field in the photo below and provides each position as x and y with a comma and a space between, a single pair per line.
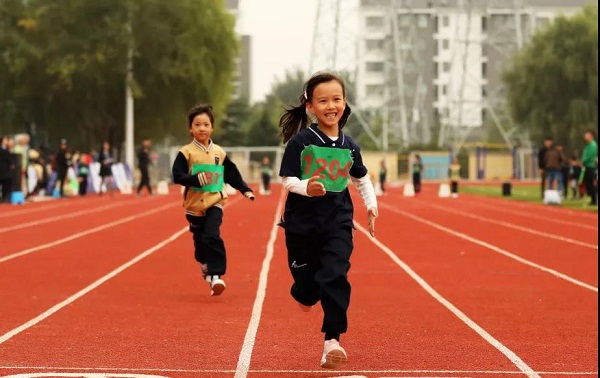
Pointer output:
102, 287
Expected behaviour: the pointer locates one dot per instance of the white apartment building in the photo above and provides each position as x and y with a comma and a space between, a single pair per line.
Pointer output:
241, 80
437, 64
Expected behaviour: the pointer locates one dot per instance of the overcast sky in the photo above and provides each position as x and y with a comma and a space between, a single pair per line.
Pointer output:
281, 32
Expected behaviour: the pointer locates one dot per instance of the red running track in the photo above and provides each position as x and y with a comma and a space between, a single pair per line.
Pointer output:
469, 287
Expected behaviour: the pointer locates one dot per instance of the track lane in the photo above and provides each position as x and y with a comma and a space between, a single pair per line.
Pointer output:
30, 284
522, 306
25, 238
38, 211
394, 326
158, 314
576, 261
583, 231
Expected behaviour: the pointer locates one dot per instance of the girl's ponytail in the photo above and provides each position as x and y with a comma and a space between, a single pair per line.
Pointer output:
294, 120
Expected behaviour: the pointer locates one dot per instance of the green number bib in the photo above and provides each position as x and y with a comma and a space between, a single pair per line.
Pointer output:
332, 164
214, 175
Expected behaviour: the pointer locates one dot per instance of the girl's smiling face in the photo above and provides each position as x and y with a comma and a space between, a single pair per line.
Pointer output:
328, 104
202, 128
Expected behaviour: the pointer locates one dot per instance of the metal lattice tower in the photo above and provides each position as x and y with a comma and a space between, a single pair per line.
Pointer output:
407, 117
333, 44
503, 31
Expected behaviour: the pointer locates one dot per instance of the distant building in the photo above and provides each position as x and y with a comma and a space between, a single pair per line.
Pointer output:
435, 65
241, 79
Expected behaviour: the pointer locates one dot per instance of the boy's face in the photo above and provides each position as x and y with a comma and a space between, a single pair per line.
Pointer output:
201, 128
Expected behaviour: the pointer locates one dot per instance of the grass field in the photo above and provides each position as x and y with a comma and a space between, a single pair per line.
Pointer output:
523, 192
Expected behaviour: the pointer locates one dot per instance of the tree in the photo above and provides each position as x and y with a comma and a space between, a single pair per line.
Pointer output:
552, 84
64, 64
263, 127
230, 131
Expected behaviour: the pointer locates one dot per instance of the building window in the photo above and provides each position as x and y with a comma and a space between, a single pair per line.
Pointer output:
374, 22
422, 20
484, 69
404, 20
445, 44
374, 90
374, 67
446, 66
483, 92
445, 21
374, 44
484, 24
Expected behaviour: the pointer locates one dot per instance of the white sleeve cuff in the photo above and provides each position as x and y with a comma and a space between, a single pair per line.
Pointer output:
366, 191
295, 185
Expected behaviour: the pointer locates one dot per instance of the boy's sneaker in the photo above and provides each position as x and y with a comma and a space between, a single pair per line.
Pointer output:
217, 285
333, 355
204, 269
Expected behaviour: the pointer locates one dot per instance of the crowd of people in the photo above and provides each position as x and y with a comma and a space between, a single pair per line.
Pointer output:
63, 172
575, 177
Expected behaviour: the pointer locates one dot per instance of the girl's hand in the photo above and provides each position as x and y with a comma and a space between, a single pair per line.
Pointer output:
315, 188
371, 215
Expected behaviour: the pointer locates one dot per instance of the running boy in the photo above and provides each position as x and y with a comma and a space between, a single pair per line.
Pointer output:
203, 168
317, 164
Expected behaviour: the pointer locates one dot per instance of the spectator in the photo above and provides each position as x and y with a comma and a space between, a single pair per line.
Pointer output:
565, 168
589, 161
6, 169
417, 169
542, 162
106, 176
63, 162
143, 156
553, 160
577, 189
382, 175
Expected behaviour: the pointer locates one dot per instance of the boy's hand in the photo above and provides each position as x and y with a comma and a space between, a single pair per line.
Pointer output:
315, 188
202, 179
249, 195
371, 215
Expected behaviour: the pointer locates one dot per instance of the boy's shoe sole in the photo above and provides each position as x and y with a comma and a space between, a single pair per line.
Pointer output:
217, 287
333, 359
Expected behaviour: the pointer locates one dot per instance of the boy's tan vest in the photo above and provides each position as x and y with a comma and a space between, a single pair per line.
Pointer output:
196, 203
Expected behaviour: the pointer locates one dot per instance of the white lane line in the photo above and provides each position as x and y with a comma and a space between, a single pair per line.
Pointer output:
516, 227
516, 360
62, 217
33, 210
84, 233
89, 288
245, 357
552, 219
282, 371
493, 248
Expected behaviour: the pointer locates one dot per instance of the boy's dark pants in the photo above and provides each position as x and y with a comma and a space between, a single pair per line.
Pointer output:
209, 248
319, 264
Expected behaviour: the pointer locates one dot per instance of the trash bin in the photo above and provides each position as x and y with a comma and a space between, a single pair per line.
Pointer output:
506, 189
